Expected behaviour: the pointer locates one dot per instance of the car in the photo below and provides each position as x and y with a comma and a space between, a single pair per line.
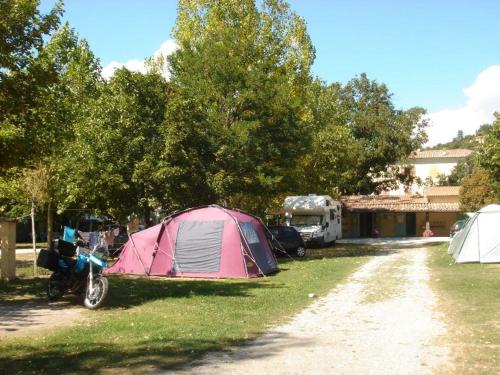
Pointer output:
289, 239
457, 227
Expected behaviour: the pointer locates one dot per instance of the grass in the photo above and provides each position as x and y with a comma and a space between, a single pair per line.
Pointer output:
163, 323
24, 268
470, 297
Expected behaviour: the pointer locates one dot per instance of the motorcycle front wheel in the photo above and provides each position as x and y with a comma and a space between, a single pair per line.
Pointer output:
95, 299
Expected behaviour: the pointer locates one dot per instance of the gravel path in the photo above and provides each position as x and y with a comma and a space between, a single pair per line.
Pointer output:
381, 321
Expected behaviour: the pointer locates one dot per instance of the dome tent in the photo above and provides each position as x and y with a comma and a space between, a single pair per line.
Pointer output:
479, 240
209, 242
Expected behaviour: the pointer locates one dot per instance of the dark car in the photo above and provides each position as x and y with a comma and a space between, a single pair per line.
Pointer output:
289, 239
457, 227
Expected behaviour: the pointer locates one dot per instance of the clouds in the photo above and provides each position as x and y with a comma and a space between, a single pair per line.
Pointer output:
167, 48
483, 98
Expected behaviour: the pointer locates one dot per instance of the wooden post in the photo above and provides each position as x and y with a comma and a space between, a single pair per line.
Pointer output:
8, 247
33, 235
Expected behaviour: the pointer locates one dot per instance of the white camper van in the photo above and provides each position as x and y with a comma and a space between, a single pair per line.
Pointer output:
318, 218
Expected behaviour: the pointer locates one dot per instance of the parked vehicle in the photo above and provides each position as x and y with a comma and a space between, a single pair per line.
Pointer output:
457, 227
289, 239
318, 218
82, 276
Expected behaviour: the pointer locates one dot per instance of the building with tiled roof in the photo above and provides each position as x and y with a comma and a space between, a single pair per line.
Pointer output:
400, 216
429, 165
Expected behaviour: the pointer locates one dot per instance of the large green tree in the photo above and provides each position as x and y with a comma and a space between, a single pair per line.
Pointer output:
489, 156
477, 191
357, 136
114, 160
49, 133
22, 81
235, 123
385, 134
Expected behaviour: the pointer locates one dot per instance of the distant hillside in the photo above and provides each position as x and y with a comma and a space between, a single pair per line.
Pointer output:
471, 142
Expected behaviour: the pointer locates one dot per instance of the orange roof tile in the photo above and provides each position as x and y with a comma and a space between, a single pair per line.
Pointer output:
441, 154
396, 204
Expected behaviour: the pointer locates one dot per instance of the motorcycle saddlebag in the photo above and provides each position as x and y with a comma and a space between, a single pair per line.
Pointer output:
66, 249
47, 259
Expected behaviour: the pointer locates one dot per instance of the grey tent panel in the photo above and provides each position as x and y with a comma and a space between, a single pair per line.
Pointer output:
198, 246
262, 256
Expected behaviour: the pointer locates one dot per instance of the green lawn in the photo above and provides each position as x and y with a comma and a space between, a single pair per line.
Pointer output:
470, 297
161, 323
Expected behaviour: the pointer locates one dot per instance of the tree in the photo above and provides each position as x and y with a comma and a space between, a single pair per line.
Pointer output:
476, 191
489, 156
386, 135
357, 138
117, 149
329, 165
60, 104
22, 32
464, 168
235, 122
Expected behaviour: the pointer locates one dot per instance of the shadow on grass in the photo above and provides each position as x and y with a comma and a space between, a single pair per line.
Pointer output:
128, 292
22, 288
146, 357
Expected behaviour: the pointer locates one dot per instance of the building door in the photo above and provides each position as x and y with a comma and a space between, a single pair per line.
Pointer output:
365, 224
354, 225
400, 224
411, 224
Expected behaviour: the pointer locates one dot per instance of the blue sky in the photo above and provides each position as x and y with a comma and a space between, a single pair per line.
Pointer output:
427, 52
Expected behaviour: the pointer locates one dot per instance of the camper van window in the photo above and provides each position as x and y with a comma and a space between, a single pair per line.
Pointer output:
306, 220
332, 214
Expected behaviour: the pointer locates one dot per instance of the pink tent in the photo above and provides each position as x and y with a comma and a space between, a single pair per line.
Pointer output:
210, 242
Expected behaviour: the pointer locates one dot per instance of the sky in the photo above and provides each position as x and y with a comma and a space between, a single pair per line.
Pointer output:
443, 55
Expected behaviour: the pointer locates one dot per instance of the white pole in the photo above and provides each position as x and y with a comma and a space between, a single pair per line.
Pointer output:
33, 235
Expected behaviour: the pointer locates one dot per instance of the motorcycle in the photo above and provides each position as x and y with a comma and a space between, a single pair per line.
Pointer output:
82, 276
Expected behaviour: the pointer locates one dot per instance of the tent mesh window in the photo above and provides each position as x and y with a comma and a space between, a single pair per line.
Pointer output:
198, 246
262, 256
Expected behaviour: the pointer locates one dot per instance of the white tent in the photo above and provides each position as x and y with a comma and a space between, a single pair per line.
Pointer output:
479, 240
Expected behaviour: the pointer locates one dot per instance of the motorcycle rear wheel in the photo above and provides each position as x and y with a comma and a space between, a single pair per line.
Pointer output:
96, 299
54, 287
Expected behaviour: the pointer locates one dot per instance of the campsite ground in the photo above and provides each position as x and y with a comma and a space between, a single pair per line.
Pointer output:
406, 307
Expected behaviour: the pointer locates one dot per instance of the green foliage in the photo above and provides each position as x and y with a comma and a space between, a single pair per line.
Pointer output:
241, 122
357, 136
464, 168
476, 191
114, 157
470, 142
49, 126
235, 123
22, 31
489, 156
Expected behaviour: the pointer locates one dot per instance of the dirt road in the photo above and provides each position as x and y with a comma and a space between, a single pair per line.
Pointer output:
381, 321
20, 318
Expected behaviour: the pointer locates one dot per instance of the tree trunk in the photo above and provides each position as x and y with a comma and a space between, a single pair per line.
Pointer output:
33, 236
50, 223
